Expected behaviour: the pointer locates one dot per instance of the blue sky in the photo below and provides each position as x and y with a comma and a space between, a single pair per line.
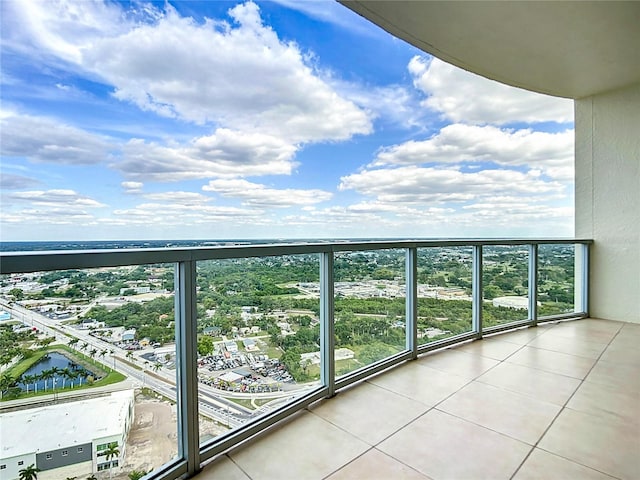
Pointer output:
283, 119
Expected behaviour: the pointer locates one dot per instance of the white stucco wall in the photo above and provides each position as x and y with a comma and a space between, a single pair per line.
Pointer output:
608, 199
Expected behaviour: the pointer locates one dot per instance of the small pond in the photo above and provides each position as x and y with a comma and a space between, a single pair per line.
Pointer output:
54, 370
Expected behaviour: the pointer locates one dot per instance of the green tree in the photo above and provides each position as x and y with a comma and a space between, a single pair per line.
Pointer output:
16, 293
205, 345
28, 473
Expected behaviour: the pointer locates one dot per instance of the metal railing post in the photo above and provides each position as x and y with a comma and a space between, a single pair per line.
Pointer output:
186, 369
327, 326
476, 291
581, 276
411, 303
533, 284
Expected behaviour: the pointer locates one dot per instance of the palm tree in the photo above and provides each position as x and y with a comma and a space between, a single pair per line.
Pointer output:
103, 353
45, 375
29, 473
55, 371
112, 451
92, 477
129, 355
73, 342
66, 374
84, 346
6, 382
157, 366
27, 379
72, 375
92, 352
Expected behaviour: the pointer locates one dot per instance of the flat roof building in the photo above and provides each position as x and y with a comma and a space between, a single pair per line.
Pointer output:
66, 439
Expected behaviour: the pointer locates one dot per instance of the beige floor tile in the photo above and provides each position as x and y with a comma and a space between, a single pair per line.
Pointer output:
622, 355
630, 329
599, 331
569, 345
222, 467
543, 465
491, 347
625, 378
597, 442
462, 364
555, 362
605, 400
520, 337
446, 447
545, 386
369, 412
624, 340
308, 447
375, 465
521, 417
419, 382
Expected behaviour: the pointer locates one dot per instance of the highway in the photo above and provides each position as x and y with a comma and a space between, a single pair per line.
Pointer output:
211, 404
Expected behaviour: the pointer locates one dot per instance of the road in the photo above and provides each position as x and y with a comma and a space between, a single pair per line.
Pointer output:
211, 404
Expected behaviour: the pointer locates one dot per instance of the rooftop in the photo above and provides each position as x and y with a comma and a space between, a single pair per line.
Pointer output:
107, 416
555, 401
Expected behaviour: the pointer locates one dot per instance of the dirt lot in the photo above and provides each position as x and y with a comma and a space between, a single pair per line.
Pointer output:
152, 440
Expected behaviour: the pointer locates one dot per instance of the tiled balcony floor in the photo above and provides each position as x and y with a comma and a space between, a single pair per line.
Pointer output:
559, 401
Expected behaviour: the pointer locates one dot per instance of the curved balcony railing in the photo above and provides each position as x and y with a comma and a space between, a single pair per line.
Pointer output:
191, 453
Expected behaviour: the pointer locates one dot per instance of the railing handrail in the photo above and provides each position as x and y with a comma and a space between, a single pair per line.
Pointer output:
47, 260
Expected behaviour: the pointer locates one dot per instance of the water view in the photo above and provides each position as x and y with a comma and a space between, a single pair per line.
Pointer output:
54, 371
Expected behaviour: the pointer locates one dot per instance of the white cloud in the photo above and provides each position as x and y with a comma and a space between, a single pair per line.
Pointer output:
186, 199
259, 195
465, 97
48, 216
132, 187
54, 198
224, 153
417, 185
159, 214
239, 75
41, 139
458, 143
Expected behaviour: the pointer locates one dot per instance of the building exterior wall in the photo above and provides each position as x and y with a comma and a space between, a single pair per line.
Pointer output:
61, 457
608, 199
10, 467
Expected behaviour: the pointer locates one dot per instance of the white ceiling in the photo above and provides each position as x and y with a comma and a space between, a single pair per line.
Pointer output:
564, 48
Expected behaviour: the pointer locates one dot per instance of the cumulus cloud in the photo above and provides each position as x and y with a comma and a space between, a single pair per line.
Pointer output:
461, 96
419, 185
224, 153
458, 143
237, 74
41, 139
259, 195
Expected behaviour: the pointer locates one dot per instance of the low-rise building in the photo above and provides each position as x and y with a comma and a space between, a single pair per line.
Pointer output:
66, 439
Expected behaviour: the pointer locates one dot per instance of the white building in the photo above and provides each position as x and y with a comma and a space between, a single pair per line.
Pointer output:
67, 439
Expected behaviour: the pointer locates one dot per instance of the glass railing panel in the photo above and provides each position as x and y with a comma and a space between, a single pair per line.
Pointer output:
369, 302
556, 279
91, 350
258, 337
505, 280
444, 293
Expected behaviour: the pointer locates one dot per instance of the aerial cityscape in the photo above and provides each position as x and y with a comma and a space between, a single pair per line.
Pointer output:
103, 340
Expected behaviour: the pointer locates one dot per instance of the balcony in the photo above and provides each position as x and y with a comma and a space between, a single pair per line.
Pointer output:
499, 384
557, 401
